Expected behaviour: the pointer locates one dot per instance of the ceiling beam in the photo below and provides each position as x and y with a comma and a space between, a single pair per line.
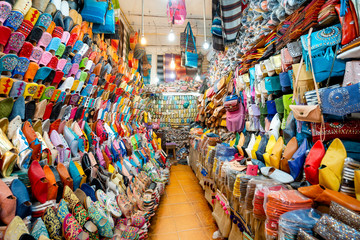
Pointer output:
165, 16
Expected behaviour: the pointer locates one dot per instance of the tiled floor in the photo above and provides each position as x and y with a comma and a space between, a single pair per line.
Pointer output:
183, 212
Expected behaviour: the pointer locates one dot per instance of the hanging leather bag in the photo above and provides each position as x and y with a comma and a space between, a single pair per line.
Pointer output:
304, 112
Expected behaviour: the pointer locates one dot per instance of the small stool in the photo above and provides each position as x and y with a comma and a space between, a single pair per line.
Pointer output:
171, 146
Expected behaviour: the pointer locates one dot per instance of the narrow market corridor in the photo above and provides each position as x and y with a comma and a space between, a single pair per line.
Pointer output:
183, 212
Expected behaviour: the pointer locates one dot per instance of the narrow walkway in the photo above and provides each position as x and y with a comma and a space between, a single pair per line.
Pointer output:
183, 212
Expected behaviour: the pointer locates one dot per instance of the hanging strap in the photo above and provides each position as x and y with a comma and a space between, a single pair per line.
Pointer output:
189, 30
332, 66
312, 66
322, 126
297, 79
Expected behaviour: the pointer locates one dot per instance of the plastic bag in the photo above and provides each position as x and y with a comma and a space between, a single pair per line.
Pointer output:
280, 202
224, 152
258, 201
291, 222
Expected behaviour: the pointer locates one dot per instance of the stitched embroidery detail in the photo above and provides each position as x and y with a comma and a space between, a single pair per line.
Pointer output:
7, 86
339, 97
9, 63
56, 95
22, 66
14, 19
49, 92
44, 20
52, 224
36, 54
62, 210
39, 229
80, 214
34, 16
5, 10
32, 89
20, 89
25, 28
41, 89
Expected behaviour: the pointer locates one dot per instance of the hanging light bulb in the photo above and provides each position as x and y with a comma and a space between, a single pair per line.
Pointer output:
156, 80
197, 78
171, 36
206, 45
172, 75
143, 40
172, 64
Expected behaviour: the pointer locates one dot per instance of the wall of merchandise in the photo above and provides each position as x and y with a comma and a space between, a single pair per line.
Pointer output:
170, 110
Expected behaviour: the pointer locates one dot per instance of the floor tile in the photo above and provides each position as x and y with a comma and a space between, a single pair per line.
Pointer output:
193, 235
202, 206
196, 197
176, 199
163, 225
181, 209
166, 236
192, 188
183, 212
174, 191
164, 211
187, 222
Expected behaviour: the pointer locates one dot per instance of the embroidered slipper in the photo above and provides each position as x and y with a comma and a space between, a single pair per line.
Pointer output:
14, 21
36, 54
52, 223
70, 197
110, 204
15, 229
81, 215
5, 11
62, 211
72, 229
44, 21
39, 229
23, 148
100, 220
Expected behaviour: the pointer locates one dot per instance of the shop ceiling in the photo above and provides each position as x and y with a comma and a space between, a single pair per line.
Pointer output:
157, 27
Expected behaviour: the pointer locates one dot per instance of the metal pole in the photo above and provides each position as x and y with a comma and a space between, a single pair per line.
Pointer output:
142, 18
204, 9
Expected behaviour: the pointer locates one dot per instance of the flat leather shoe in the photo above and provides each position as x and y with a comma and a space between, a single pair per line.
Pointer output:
58, 19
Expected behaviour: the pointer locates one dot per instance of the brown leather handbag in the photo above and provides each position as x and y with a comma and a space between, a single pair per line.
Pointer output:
289, 151
305, 112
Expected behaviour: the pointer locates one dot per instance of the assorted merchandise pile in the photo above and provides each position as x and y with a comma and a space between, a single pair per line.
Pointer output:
78, 159
173, 110
179, 86
276, 146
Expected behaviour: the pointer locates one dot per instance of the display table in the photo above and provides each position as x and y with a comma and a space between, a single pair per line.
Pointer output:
171, 146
